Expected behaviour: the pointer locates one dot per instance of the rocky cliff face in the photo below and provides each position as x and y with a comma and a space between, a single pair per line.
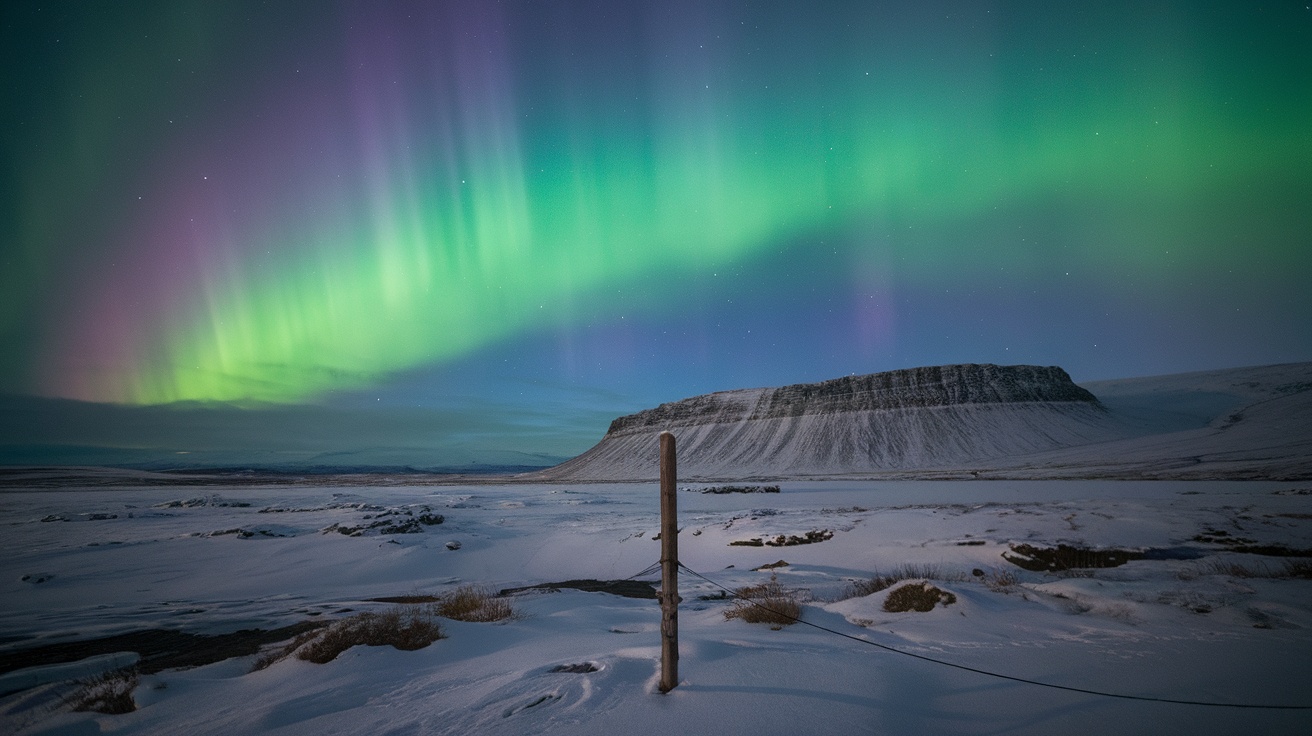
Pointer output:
941, 416
912, 388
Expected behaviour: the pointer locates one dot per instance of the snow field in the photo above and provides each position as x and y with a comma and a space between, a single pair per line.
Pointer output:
1137, 629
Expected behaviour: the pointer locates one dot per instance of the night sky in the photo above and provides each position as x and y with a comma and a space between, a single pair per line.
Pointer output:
477, 231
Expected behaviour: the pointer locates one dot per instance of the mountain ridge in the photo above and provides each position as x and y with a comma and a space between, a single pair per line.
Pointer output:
947, 385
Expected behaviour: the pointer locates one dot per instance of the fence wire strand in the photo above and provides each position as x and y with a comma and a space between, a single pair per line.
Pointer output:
653, 567
998, 675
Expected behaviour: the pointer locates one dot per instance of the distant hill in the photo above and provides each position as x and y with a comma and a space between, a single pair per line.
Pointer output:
976, 421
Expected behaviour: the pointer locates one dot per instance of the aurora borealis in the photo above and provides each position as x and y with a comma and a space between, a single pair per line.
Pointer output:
601, 206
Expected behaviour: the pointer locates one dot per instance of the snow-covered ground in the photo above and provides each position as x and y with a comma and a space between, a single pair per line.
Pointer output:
77, 564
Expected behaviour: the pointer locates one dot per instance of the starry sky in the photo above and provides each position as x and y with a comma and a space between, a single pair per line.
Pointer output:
474, 232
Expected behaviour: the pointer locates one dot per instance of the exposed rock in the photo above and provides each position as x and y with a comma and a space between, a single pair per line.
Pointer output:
786, 540
624, 588
740, 489
912, 388
1067, 557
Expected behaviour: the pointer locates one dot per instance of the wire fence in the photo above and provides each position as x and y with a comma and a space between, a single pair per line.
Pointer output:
648, 570
988, 673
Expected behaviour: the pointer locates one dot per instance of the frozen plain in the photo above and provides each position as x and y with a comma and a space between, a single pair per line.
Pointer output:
216, 559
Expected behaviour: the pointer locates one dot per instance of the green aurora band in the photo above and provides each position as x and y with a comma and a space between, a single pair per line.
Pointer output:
494, 187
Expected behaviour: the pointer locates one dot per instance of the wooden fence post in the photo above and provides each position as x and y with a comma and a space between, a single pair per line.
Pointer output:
669, 568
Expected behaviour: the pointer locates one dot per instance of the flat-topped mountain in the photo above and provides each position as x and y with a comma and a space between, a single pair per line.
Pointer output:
913, 418
912, 388
975, 421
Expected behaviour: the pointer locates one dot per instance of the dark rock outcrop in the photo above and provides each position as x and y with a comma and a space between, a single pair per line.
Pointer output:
911, 388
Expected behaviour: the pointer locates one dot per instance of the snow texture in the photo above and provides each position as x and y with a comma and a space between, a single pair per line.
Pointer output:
1186, 624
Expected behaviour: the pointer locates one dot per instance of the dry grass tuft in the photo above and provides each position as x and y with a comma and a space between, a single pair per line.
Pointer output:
1235, 569
767, 603
878, 581
474, 603
109, 693
1001, 581
1288, 569
1298, 569
406, 628
874, 584
921, 597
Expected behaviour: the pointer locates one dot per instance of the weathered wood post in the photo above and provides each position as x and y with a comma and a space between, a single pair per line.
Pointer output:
669, 568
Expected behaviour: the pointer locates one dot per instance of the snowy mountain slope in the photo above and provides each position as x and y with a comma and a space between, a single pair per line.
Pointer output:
1240, 423
1193, 400
1016, 421
942, 416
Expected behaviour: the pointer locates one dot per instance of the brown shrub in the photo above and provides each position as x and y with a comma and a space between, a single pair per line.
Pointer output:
767, 603
108, 693
878, 581
920, 597
406, 628
474, 603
